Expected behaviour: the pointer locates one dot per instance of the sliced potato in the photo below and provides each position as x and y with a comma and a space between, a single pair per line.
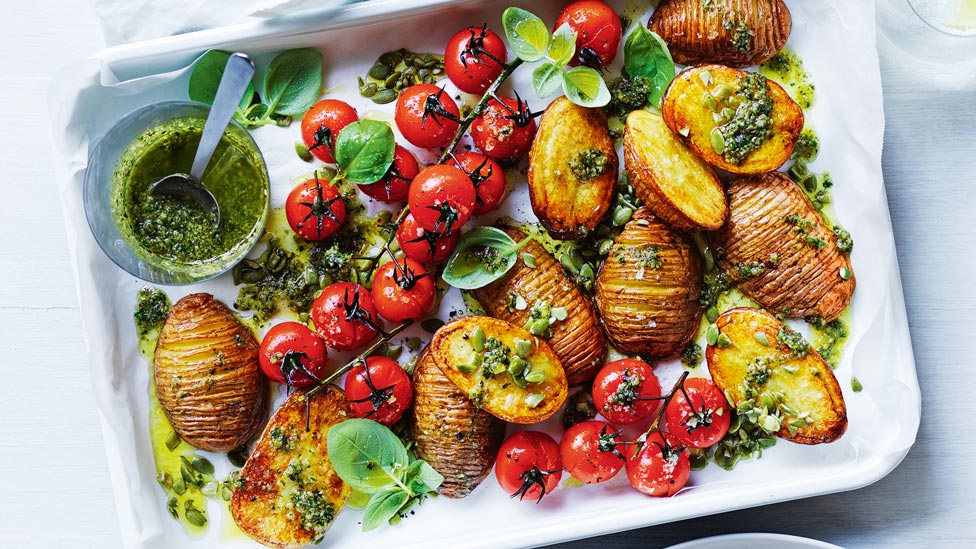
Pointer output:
289, 493
578, 341
207, 376
738, 33
648, 287
454, 436
676, 185
749, 368
687, 112
454, 353
572, 169
780, 252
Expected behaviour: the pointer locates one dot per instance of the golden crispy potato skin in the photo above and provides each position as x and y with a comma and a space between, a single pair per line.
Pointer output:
566, 206
806, 382
497, 394
648, 287
456, 438
291, 463
676, 185
772, 222
697, 35
688, 115
207, 376
578, 341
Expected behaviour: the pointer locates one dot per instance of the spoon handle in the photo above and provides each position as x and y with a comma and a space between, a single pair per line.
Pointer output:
237, 75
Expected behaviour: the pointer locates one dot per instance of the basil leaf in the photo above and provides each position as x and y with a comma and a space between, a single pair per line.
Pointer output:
422, 478
547, 79
527, 35
293, 81
205, 79
483, 255
364, 150
563, 45
646, 54
382, 507
366, 455
584, 86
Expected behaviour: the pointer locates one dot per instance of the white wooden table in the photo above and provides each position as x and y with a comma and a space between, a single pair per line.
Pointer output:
54, 482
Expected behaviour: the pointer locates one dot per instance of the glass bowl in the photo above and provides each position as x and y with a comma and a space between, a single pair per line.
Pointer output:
118, 160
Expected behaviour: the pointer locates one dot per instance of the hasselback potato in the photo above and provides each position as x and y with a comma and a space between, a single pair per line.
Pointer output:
739, 33
207, 376
779, 251
578, 341
648, 287
454, 436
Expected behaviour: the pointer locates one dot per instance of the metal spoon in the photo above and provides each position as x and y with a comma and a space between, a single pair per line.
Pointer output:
237, 74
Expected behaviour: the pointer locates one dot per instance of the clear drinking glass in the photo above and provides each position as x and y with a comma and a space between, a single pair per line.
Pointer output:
940, 32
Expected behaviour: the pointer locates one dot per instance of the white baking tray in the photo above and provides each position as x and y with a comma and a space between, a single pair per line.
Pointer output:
836, 41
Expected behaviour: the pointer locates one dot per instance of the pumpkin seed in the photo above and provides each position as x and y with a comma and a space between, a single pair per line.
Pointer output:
196, 518
203, 465
698, 462
586, 272
380, 71
534, 399
856, 385
539, 326
369, 90
718, 141
226, 493
711, 314
709, 101
723, 341
179, 487
209, 489
718, 118
423, 73
238, 456
621, 215
536, 375
517, 366
173, 440
711, 334
728, 113
414, 343
762, 338
722, 91
605, 246
391, 58
478, 339
164, 479
392, 79
523, 347
529, 260
384, 96
393, 351
845, 273
437, 71
466, 368
171, 507
431, 325
706, 77
567, 262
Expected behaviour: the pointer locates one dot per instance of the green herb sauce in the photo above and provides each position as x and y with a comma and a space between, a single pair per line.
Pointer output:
752, 123
588, 164
151, 310
786, 68
178, 230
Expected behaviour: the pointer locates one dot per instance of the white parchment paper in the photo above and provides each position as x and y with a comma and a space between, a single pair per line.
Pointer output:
836, 40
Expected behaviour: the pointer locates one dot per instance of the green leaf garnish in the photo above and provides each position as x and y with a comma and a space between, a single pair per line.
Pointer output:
483, 255
364, 151
527, 34
584, 86
646, 54
563, 45
293, 81
547, 78
205, 78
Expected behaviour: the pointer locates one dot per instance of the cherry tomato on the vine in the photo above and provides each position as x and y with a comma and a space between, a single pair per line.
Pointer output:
598, 32
344, 316
504, 131
380, 391
422, 245
590, 451
626, 391
528, 465
426, 116
661, 467
396, 182
474, 58
698, 414
293, 355
441, 198
315, 209
488, 178
321, 126
403, 289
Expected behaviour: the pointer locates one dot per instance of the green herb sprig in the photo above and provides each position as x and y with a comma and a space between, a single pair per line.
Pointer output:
483, 255
372, 460
646, 55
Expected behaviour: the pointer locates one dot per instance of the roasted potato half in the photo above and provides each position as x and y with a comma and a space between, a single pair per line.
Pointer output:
572, 169
738, 33
208, 380
680, 188
578, 341
693, 107
518, 392
779, 251
289, 494
766, 363
454, 436
648, 287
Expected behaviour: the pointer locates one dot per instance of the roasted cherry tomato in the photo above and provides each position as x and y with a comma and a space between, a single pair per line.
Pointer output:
598, 32
626, 391
380, 391
661, 467
314, 209
590, 451
292, 355
529, 465
422, 245
488, 178
344, 316
504, 131
698, 414
321, 126
441, 198
403, 289
396, 182
474, 58
426, 116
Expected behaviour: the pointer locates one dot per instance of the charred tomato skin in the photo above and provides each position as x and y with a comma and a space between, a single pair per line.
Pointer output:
422, 128
315, 209
497, 133
381, 390
470, 72
703, 422
344, 316
423, 246
442, 198
302, 343
583, 455
661, 467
